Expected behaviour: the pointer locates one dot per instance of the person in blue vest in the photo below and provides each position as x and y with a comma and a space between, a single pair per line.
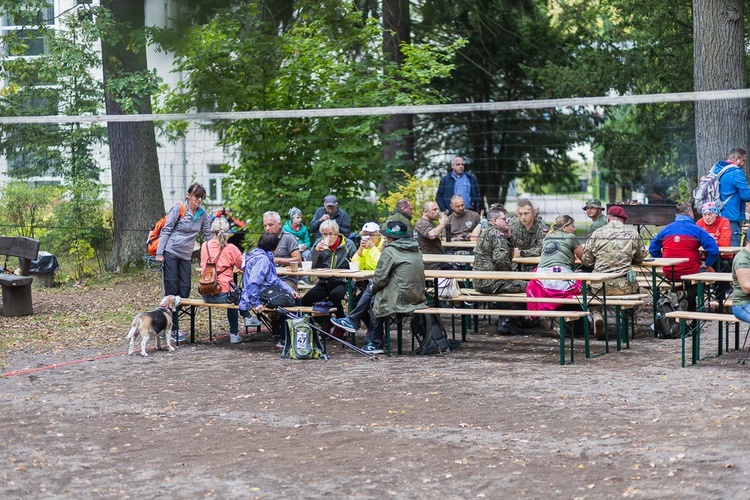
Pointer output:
733, 191
459, 182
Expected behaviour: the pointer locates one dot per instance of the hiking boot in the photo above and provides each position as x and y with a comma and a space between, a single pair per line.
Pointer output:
508, 326
178, 336
344, 323
546, 323
252, 322
530, 323
371, 349
599, 327
235, 339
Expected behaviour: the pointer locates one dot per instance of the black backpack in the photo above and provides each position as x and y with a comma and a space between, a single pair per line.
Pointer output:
429, 332
669, 328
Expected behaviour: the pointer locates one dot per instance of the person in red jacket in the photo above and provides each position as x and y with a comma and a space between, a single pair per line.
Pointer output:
683, 238
717, 226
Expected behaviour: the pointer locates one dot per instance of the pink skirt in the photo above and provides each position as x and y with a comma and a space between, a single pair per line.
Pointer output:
554, 289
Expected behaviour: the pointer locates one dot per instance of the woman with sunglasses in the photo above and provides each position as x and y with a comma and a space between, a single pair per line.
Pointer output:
176, 245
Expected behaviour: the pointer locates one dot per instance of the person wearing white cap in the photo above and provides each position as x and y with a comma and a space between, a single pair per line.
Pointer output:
368, 255
330, 211
370, 246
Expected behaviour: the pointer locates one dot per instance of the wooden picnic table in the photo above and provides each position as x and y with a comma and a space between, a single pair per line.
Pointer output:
448, 258
467, 245
701, 279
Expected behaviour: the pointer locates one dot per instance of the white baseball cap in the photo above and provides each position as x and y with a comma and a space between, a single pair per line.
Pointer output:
371, 227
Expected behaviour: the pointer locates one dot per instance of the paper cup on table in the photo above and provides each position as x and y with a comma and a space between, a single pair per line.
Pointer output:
306, 265
294, 266
354, 266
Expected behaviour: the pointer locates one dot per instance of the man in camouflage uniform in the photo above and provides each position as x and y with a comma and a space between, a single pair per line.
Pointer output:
613, 248
595, 211
528, 233
494, 252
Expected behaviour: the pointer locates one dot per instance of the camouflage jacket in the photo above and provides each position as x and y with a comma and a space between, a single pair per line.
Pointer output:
529, 242
613, 248
493, 251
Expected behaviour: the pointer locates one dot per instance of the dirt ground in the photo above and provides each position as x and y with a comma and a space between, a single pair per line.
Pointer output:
498, 418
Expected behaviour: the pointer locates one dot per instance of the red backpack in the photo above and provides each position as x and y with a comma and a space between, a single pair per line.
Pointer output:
152, 242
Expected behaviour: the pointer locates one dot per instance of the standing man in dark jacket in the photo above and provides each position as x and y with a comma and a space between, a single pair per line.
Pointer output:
459, 182
330, 211
398, 283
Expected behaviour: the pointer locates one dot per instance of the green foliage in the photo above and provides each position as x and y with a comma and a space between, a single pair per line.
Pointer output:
81, 218
60, 81
325, 56
416, 190
507, 40
25, 209
633, 46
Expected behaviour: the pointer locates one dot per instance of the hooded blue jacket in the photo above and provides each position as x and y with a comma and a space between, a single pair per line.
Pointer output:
733, 182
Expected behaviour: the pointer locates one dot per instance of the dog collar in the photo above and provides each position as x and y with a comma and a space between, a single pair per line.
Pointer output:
165, 308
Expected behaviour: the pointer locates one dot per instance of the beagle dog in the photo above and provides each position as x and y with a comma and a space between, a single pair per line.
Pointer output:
157, 322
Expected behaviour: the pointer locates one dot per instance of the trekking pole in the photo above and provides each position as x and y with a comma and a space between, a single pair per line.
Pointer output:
743, 353
330, 335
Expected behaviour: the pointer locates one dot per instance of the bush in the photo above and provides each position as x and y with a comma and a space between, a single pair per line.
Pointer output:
24, 209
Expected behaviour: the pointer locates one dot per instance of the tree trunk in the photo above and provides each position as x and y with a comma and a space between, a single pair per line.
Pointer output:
719, 64
137, 199
397, 29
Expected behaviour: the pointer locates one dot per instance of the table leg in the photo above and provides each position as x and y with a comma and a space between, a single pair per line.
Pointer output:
586, 343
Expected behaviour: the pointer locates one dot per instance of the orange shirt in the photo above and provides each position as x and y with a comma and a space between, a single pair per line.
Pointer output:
720, 230
230, 258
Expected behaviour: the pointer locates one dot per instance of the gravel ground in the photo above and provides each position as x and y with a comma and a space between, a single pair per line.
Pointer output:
498, 418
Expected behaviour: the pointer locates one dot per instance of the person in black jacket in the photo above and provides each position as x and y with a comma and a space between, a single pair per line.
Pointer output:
459, 182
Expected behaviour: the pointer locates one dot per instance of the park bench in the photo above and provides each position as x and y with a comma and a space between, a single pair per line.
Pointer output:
17, 287
562, 316
722, 319
191, 306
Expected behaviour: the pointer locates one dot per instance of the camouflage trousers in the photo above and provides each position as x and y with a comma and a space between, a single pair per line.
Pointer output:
616, 286
500, 286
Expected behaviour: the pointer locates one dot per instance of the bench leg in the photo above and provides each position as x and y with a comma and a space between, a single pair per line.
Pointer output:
17, 301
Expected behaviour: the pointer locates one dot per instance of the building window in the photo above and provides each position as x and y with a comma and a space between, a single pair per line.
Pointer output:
216, 174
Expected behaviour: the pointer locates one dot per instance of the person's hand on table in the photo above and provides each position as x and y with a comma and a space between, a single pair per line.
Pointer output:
259, 308
516, 252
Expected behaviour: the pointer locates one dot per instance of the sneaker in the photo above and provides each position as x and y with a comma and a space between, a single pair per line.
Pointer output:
235, 339
344, 323
279, 345
371, 349
178, 336
252, 322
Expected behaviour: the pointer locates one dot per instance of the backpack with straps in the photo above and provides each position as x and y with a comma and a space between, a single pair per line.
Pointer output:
302, 341
209, 285
708, 188
152, 242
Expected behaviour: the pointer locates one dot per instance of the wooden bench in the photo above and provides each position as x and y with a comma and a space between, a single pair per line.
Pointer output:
561, 315
17, 288
618, 302
192, 306
721, 318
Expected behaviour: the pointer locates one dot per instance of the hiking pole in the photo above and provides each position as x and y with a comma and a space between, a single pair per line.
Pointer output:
330, 335
743, 353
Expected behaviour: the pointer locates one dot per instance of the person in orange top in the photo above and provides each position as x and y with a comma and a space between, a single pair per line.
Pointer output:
715, 225
227, 257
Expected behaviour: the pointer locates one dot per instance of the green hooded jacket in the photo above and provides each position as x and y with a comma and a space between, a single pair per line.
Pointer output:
399, 279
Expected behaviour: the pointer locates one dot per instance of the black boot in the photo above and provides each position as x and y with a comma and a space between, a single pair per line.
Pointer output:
508, 326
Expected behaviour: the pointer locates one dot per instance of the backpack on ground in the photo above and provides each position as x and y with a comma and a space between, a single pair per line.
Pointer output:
708, 189
152, 242
669, 328
428, 330
209, 284
302, 341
